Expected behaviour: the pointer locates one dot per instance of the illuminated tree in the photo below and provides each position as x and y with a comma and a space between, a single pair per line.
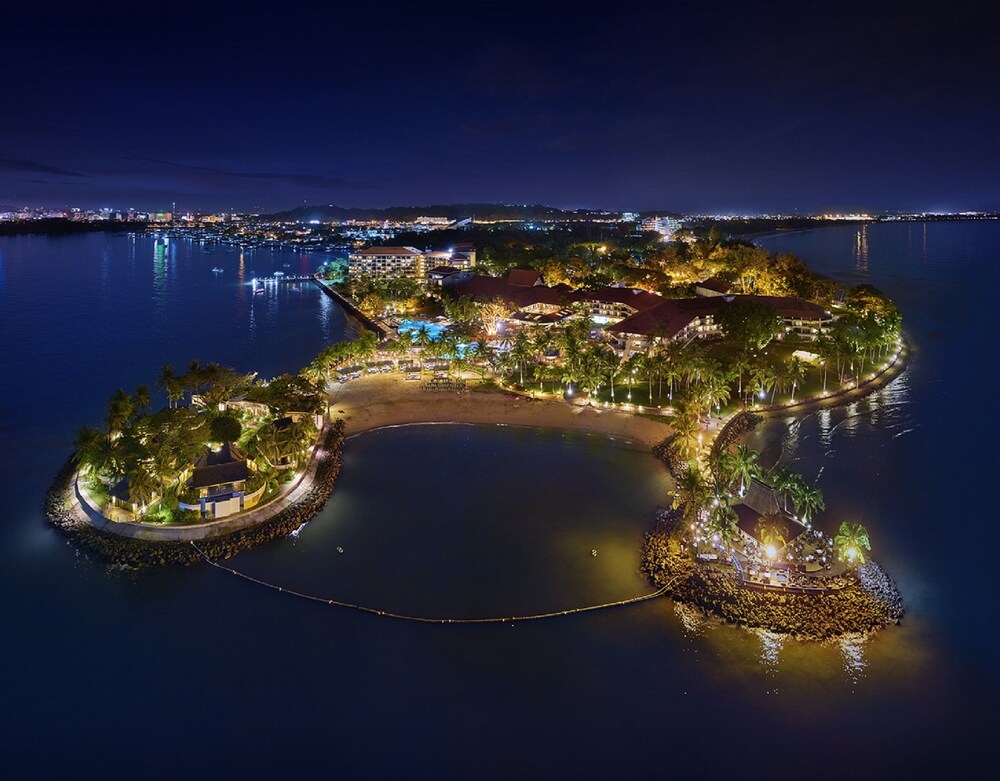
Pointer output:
852, 540
493, 313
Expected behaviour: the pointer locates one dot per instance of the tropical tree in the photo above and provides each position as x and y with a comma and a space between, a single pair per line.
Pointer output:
771, 532
788, 483
692, 493
225, 428
93, 451
521, 352
795, 371
745, 465
485, 355
493, 313
852, 540
723, 522
170, 383
142, 399
811, 501
685, 425
749, 323
121, 408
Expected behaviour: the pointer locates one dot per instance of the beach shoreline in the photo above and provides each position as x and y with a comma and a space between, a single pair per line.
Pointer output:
381, 401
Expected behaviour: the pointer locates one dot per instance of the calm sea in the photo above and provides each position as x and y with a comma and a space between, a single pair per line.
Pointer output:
192, 672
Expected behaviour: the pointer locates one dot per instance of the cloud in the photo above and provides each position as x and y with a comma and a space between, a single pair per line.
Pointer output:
316, 181
29, 166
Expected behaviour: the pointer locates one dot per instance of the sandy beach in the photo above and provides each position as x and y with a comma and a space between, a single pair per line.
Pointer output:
374, 401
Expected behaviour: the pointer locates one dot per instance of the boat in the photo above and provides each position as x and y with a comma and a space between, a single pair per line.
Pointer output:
259, 291
217, 270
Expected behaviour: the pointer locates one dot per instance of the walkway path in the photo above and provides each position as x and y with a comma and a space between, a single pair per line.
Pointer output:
428, 620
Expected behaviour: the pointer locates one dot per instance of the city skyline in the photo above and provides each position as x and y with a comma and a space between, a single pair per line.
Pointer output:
732, 110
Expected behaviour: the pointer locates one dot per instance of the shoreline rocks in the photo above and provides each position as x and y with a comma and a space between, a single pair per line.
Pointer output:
129, 553
872, 604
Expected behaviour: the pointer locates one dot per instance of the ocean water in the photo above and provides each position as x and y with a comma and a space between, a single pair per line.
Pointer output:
193, 671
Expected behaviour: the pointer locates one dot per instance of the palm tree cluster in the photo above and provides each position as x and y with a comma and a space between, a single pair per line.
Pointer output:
153, 453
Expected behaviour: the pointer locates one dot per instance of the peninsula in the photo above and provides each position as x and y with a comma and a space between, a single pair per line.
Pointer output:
682, 367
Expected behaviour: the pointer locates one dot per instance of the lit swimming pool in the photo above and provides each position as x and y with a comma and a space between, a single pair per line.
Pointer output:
413, 327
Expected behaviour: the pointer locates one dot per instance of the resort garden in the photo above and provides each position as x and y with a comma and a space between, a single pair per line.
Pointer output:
224, 443
760, 525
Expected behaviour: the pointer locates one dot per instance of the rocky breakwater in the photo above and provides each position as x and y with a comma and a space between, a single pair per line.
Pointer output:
123, 552
871, 603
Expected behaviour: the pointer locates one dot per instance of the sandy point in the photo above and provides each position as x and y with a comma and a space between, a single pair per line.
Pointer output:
376, 401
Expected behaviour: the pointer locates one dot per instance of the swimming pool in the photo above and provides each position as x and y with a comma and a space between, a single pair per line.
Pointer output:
413, 327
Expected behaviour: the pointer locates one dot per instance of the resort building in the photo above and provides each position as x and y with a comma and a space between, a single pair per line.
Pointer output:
387, 262
441, 276
610, 305
694, 318
219, 477
408, 262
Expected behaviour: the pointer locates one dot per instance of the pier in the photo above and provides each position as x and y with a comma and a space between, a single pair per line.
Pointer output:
381, 331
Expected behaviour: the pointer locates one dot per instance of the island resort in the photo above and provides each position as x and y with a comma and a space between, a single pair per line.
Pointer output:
708, 339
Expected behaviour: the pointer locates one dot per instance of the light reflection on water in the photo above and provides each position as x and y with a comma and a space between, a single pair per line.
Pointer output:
692, 620
852, 649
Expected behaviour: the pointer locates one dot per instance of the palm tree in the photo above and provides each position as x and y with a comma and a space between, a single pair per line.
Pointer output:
826, 348
760, 379
739, 365
141, 486
93, 450
595, 365
142, 398
692, 493
121, 408
723, 521
852, 539
485, 354
746, 465
521, 352
788, 483
170, 382
795, 370
771, 531
714, 391
685, 424
811, 500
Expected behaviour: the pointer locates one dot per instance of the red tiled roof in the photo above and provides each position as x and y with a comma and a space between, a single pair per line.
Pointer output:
523, 277
673, 314
668, 318
639, 300
716, 284
516, 296
389, 251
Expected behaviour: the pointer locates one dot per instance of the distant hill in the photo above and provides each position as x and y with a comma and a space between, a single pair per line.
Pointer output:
453, 211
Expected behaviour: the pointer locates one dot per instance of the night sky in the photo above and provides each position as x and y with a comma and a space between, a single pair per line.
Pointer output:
694, 107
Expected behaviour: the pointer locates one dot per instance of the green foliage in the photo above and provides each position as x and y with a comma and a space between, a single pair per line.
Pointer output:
289, 393
750, 324
225, 428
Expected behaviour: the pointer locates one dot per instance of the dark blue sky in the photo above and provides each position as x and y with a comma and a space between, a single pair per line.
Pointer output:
686, 106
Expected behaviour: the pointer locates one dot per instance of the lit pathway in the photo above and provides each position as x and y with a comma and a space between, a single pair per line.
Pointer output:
424, 619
